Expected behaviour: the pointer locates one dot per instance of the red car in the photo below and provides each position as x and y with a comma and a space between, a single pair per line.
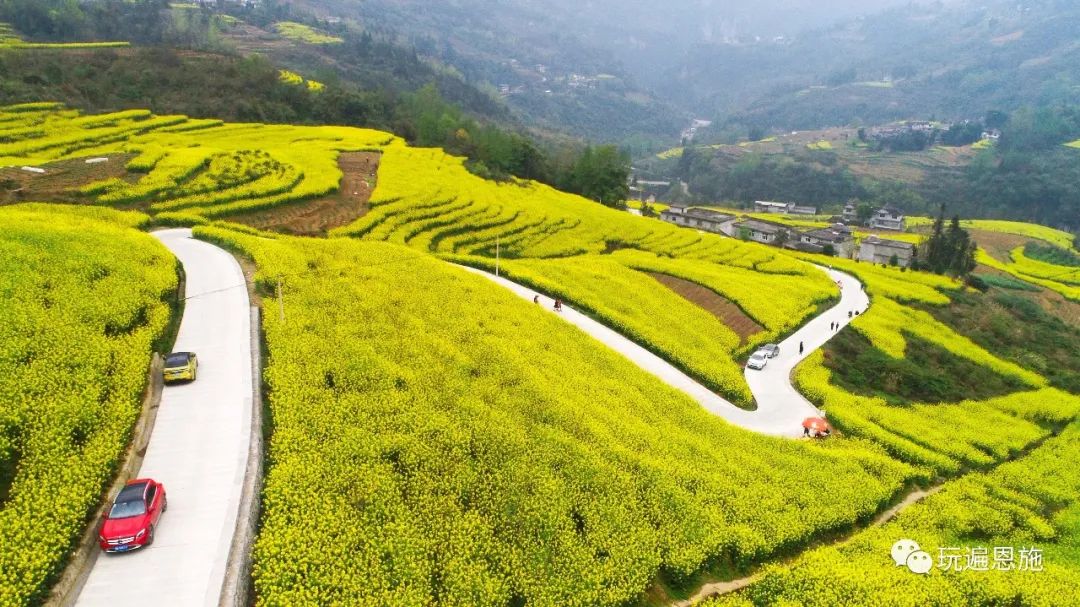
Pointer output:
135, 512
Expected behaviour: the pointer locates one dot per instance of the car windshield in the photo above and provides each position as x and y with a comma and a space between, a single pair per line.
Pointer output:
758, 356
176, 360
128, 509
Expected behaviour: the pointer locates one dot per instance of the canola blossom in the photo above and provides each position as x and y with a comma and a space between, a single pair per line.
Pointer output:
464, 447
1033, 502
304, 33
641, 309
203, 167
1061, 279
945, 437
477, 450
83, 298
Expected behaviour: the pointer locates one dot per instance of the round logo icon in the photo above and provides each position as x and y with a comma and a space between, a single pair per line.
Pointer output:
920, 562
902, 549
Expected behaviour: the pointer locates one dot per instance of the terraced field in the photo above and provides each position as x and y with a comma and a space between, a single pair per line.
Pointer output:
85, 297
469, 448
1006, 515
182, 166
494, 465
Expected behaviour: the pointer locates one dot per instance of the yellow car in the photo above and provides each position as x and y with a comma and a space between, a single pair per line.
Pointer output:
180, 366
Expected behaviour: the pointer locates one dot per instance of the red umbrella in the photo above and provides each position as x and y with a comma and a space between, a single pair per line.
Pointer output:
816, 424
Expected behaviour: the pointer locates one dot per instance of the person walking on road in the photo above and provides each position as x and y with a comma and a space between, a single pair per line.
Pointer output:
800, 347
536, 299
558, 305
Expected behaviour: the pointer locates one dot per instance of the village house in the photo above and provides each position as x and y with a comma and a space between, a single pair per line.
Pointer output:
649, 190
888, 218
702, 219
838, 238
879, 250
851, 213
763, 206
765, 232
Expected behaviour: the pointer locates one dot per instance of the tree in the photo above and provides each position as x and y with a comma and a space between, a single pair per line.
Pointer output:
894, 260
951, 251
829, 250
864, 211
995, 119
962, 133
782, 237
936, 246
603, 174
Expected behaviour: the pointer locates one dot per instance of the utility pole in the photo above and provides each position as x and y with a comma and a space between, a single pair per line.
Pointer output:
497, 256
281, 304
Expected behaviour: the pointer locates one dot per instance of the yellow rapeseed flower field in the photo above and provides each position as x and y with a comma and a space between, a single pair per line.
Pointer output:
462, 446
83, 298
1030, 503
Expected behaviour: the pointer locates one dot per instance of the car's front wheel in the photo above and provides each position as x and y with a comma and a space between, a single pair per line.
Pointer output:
150, 536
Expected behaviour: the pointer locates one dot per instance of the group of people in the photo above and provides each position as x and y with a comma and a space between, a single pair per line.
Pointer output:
558, 303
835, 326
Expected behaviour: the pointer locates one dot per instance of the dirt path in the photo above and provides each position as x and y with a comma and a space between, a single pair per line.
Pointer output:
730, 314
318, 216
714, 589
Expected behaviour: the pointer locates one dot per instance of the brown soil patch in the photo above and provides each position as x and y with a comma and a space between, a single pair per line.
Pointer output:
1056, 304
318, 216
720, 307
61, 180
998, 244
250, 39
1051, 301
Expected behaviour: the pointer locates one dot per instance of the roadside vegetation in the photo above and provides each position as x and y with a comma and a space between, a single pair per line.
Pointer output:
85, 297
1028, 503
494, 466
926, 373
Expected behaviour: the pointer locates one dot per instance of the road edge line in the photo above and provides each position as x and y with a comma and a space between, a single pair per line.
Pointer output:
235, 588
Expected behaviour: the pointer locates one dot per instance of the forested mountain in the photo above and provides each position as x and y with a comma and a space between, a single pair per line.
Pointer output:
611, 69
951, 62
226, 62
600, 69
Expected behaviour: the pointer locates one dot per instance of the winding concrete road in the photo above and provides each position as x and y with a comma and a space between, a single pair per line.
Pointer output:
781, 409
198, 447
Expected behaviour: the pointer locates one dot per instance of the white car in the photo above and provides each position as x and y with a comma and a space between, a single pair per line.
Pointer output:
758, 360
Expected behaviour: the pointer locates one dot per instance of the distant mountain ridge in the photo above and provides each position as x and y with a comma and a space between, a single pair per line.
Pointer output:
789, 64
951, 62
